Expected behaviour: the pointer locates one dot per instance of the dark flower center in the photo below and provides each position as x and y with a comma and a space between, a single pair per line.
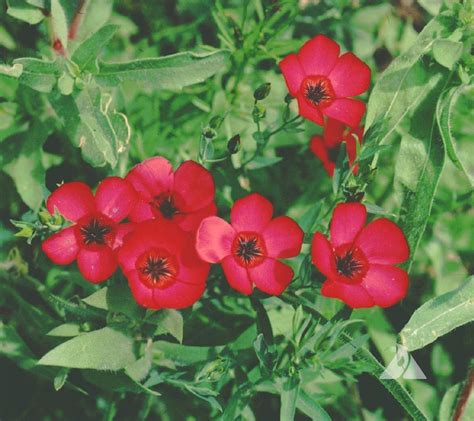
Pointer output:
318, 90
348, 265
95, 231
156, 268
249, 249
164, 204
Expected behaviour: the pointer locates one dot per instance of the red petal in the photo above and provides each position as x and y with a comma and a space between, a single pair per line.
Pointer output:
121, 231
347, 221
322, 254
98, 265
318, 147
192, 269
190, 221
347, 110
382, 241
142, 211
293, 73
307, 111
61, 247
141, 293
333, 132
386, 284
251, 213
178, 295
319, 55
193, 187
237, 275
271, 276
350, 76
214, 239
115, 198
283, 237
151, 177
72, 200
354, 295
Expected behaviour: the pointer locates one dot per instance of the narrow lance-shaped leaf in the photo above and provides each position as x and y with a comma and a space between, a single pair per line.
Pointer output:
171, 72
440, 316
402, 84
39, 75
418, 171
444, 115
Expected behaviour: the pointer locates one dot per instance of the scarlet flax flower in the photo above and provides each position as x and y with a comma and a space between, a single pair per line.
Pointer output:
359, 260
162, 267
184, 197
95, 232
327, 146
249, 248
323, 82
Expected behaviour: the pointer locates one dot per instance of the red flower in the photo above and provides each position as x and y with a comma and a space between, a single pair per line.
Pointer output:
160, 262
322, 81
96, 232
359, 261
185, 197
327, 146
249, 247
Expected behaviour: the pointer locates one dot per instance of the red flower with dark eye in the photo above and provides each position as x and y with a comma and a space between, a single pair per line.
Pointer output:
184, 197
162, 267
250, 247
322, 81
359, 260
327, 146
96, 231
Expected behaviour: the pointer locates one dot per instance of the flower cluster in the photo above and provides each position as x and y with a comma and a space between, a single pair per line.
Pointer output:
324, 82
172, 233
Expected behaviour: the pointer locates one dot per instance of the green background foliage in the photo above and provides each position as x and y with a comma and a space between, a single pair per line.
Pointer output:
177, 79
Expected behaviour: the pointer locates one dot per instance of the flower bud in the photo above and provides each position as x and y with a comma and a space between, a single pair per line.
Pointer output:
209, 133
262, 91
216, 122
288, 98
233, 145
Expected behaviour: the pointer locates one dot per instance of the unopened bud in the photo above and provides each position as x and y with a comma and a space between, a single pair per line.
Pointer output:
288, 98
262, 91
215, 122
233, 145
209, 133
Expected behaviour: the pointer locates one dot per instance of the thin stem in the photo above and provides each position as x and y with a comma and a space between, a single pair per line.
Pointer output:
464, 396
76, 20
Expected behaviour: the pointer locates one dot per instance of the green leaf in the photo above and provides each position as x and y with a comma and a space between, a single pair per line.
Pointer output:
402, 85
168, 321
310, 407
447, 52
65, 330
28, 163
445, 111
98, 299
59, 22
439, 316
39, 75
170, 72
87, 52
93, 124
183, 354
21, 10
288, 396
13, 71
419, 166
120, 300
104, 349
263, 161
60, 378
448, 404
12, 346
96, 14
